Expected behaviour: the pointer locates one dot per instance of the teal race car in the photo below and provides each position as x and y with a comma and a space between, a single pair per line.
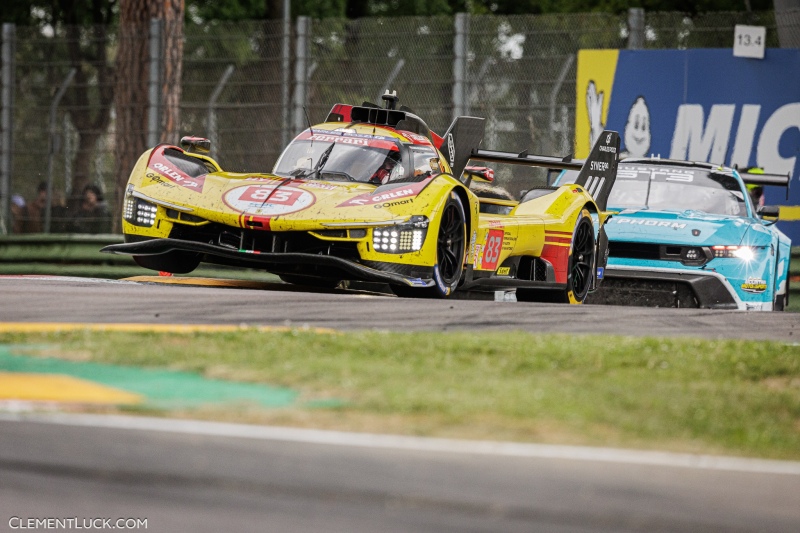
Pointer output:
690, 234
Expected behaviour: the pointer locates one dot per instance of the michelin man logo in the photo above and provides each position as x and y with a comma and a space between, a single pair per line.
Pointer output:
637, 130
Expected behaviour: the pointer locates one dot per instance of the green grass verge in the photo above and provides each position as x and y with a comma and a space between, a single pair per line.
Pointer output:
688, 395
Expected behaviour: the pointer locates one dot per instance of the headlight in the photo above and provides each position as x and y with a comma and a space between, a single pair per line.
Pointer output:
139, 212
693, 255
402, 238
746, 253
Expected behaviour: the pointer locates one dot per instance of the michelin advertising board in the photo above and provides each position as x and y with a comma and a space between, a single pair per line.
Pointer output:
698, 105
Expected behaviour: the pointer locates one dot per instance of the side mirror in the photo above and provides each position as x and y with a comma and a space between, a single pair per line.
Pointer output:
772, 211
198, 145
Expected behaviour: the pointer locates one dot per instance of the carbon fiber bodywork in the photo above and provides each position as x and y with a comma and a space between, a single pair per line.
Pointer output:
663, 289
278, 262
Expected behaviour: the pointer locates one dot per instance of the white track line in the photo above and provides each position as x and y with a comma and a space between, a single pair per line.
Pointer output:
371, 440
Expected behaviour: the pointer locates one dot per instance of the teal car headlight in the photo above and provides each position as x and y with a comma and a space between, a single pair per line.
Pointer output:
745, 253
401, 238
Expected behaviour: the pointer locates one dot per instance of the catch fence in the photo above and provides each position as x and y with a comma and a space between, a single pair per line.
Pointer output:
251, 86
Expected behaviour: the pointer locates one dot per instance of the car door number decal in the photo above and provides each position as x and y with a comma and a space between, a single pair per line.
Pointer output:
491, 250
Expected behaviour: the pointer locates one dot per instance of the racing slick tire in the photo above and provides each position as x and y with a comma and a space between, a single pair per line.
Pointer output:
580, 268
309, 281
175, 262
450, 252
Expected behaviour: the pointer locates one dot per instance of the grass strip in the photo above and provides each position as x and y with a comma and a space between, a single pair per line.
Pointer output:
700, 396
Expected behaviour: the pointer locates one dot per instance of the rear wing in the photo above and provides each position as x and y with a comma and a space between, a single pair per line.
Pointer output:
757, 176
597, 173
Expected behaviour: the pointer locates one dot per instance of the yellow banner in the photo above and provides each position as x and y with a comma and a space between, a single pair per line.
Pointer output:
596, 69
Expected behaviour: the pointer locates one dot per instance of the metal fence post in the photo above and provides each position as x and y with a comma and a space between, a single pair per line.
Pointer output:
6, 123
211, 123
53, 146
301, 73
287, 32
154, 92
562, 77
460, 64
635, 28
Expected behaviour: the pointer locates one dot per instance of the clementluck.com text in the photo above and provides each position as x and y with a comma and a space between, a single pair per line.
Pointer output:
16, 522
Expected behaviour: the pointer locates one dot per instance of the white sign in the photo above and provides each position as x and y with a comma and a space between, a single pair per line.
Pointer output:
749, 41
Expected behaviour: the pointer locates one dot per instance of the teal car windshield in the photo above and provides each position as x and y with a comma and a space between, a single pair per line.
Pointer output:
677, 189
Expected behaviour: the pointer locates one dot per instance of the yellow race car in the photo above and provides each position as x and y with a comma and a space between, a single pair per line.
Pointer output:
373, 195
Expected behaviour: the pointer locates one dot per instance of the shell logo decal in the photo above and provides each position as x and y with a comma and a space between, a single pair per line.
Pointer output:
268, 200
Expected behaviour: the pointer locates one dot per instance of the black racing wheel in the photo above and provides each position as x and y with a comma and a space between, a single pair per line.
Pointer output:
450, 248
580, 269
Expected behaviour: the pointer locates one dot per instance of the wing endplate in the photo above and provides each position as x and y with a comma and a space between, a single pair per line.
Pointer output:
460, 140
599, 171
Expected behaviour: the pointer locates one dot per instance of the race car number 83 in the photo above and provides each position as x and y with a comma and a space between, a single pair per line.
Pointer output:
491, 252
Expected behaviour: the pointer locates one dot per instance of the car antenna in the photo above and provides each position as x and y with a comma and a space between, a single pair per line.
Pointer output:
308, 121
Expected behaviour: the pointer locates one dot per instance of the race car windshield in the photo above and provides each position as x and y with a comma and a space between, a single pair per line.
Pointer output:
677, 189
336, 158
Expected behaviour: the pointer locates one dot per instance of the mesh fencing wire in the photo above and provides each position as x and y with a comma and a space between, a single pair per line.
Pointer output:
519, 73
71, 143
357, 60
248, 109
788, 28
521, 76
704, 30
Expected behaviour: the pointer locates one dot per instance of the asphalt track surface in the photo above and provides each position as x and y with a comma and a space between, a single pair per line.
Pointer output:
46, 299
208, 481
204, 481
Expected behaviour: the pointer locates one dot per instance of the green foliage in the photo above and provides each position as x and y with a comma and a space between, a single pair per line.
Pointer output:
404, 8
54, 12
318, 9
521, 7
34, 12
17, 12
204, 10
231, 10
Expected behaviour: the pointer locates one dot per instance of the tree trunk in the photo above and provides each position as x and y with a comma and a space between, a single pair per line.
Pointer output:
92, 92
172, 16
133, 77
92, 117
